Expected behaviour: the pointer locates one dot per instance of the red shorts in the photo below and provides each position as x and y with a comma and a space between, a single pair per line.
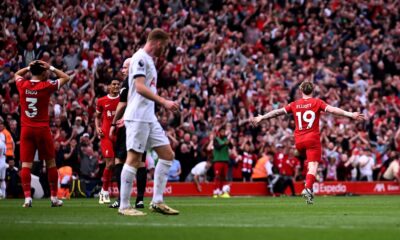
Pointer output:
221, 169
107, 147
311, 149
36, 138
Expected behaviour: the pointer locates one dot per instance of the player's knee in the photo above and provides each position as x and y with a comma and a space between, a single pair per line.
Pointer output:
109, 163
169, 155
26, 164
312, 167
118, 161
133, 158
50, 163
172, 157
142, 164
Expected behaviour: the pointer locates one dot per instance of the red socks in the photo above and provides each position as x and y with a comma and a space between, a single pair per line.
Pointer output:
107, 174
52, 175
26, 181
310, 179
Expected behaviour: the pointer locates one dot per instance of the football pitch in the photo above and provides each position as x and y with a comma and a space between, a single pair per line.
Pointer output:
366, 217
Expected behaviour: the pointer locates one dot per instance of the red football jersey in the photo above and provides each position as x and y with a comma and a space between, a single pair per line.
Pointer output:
107, 106
306, 113
34, 101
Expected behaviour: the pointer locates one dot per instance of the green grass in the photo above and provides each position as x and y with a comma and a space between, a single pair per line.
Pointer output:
364, 217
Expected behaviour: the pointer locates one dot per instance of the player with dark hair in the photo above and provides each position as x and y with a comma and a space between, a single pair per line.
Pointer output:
307, 112
35, 130
105, 111
120, 144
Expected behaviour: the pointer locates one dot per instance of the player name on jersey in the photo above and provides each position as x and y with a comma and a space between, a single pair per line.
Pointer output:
30, 92
303, 106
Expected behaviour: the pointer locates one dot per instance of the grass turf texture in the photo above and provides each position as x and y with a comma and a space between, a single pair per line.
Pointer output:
364, 217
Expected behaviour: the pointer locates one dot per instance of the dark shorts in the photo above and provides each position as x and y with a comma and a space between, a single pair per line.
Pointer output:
120, 144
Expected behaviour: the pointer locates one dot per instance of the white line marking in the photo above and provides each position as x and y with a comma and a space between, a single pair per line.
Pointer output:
181, 225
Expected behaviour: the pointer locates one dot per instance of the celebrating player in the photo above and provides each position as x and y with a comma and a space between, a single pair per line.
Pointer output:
105, 112
306, 112
120, 145
142, 127
35, 130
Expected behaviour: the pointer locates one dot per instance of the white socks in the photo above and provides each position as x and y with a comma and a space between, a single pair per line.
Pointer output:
128, 175
160, 179
3, 188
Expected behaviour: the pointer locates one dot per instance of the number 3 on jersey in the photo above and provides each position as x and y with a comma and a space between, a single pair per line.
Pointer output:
33, 110
308, 117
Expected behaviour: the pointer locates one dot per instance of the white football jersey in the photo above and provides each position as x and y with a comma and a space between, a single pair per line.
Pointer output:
2, 149
139, 108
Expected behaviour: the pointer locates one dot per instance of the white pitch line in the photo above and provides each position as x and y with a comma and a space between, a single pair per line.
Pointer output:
216, 204
181, 225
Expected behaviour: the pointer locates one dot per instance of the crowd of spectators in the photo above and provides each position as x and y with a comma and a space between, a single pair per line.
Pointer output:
227, 60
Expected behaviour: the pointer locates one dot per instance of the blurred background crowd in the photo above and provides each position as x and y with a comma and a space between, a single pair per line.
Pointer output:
227, 60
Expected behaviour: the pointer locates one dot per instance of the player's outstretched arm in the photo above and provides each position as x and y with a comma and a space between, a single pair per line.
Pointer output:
340, 112
272, 114
147, 93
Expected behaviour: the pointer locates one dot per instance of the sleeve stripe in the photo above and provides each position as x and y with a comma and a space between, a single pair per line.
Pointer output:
326, 108
139, 75
284, 109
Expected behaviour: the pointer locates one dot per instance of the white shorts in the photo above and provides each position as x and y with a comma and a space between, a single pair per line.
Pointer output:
3, 169
141, 136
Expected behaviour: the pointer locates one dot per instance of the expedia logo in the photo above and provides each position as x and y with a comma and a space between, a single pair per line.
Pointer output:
329, 189
149, 190
393, 188
379, 187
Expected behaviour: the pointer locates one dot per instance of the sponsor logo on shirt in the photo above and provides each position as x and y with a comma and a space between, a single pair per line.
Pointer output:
110, 113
